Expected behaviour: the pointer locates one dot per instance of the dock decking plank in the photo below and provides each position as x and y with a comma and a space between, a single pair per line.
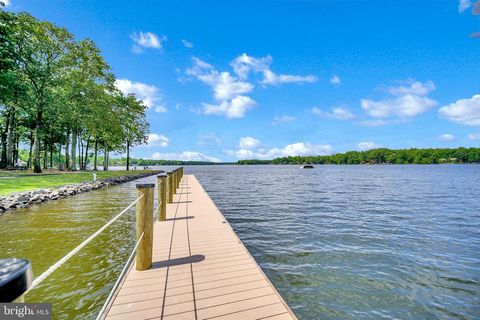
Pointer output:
201, 269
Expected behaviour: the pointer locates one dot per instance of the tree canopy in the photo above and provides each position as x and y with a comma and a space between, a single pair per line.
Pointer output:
383, 156
57, 93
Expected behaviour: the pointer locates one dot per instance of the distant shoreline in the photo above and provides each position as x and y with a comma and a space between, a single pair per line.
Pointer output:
379, 156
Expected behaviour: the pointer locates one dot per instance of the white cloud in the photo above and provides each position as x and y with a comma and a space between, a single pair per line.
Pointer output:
282, 119
157, 140
336, 113
271, 78
294, 149
235, 108
463, 111
244, 64
146, 40
224, 85
464, 5
248, 143
407, 101
187, 44
368, 145
335, 80
373, 123
6, 2
228, 90
149, 94
447, 137
403, 107
184, 156
474, 136
415, 88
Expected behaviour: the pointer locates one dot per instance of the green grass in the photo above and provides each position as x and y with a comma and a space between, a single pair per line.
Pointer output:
27, 181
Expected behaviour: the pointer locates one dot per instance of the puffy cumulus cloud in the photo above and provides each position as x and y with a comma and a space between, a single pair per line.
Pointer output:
335, 80
149, 94
146, 40
282, 120
447, 137
336, 113
184, 156
187, 44
463, 111
402, 107
244, 64
464, 5
248, 143
228, 90
367, 145
294, 149
157, 140
224, 85
235, 108
474, 136
406, 101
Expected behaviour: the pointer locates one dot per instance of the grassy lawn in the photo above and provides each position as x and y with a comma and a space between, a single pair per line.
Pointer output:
26, 181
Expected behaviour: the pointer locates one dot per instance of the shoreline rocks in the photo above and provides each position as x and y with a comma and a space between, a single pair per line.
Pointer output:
27, 198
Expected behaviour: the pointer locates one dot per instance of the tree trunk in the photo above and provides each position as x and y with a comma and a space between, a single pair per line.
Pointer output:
85, 158
3, 158
16, 152
29, 163
10, 137
51, 155
36, 142
80, 152
45, 152
105, 159
67, 154
128, 155
59, 155
95, 158
73, 164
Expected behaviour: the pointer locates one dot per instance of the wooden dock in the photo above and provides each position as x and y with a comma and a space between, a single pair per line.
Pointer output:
201, 269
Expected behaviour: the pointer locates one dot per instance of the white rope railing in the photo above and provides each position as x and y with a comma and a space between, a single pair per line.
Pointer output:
60, 262
120, 278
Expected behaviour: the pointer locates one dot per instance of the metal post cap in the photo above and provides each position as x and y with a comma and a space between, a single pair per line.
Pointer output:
15, 278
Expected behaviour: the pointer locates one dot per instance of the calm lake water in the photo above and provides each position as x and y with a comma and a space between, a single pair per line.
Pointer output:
338, 242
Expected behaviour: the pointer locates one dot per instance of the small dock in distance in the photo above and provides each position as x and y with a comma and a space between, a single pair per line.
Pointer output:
200, 269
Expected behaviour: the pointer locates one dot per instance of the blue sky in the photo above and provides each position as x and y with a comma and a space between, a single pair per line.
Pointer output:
227, 80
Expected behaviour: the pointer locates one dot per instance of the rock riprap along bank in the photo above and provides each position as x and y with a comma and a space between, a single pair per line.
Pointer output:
28, 198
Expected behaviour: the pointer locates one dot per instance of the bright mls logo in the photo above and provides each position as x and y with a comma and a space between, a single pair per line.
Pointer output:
26, 311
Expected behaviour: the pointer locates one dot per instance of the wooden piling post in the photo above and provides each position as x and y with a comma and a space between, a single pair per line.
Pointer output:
162, 196
144, 208
176, 179
174, 188
170, 186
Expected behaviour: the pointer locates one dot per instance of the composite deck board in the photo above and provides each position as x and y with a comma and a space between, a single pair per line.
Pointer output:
201, 269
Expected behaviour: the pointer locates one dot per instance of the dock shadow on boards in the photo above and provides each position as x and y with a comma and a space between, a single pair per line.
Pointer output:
182, 202
179, 261
181, 218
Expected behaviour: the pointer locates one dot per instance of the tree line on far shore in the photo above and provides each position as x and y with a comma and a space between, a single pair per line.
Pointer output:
58, 98
383, 156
